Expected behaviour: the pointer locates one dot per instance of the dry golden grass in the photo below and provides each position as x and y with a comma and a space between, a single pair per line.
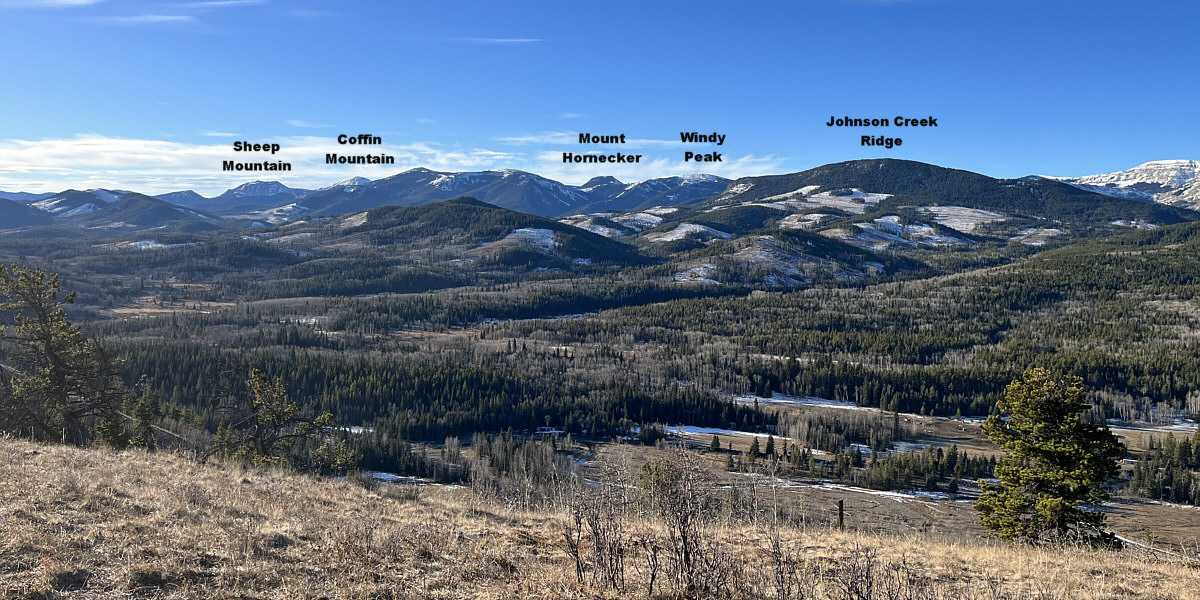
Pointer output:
94, 524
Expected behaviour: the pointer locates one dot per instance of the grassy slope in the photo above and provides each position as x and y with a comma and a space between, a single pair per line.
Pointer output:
86, 523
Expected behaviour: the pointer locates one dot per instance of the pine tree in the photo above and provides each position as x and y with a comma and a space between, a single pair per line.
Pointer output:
715, 446
55, 384
1055, 462
275, 426
145, 412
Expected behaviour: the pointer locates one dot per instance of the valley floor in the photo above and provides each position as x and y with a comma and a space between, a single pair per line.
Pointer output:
96, 524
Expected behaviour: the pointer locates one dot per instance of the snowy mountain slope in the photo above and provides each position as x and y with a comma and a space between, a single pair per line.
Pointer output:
516, 190
74, 202
249, 197
184, 198
1173, 182
348, 183
608, 194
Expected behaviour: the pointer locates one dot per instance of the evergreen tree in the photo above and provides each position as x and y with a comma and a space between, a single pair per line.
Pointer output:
1055, 462
55, 384
145, 412
276, 425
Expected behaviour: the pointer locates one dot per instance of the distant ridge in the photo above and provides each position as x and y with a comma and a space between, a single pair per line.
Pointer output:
1173, 182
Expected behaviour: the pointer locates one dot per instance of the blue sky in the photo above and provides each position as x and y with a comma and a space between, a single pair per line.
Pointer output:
150, 96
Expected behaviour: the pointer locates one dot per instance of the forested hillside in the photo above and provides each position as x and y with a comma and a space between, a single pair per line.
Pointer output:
416, 324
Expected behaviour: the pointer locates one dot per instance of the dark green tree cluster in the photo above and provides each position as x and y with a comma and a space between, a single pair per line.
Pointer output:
1169, 473
422, 398
835, 433
933, 469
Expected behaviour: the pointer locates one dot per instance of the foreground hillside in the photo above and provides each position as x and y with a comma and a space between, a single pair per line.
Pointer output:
93, 524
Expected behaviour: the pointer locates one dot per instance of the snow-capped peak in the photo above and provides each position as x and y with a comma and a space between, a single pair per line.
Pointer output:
351, 182
263, 188
108, 196
1168, 173
698, 178
1175, 182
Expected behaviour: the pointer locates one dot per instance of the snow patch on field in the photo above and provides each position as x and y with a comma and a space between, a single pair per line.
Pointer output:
807, 400
278, 214
739, 188
1136, 224
292, 238
1036, 236
50, 206
80, 210
692, 430
887, 233
685, 229
542, 239
598, 229
925, 234
661, 210
802, 221
896, 447
107, 196
856, 202
354, 220
961, 218
639, 221
450, 182
698, 274
1176, 425
152, 245
868, 237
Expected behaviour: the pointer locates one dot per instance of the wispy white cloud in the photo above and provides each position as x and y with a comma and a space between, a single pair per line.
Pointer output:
569, 115
46, 3
307, 124
221, 134
222, 3
158, 166
493, 40
572, 138
425, 120
546, 137
550, 164
133, 20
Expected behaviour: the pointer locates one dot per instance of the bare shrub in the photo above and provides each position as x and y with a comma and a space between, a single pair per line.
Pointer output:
598, 515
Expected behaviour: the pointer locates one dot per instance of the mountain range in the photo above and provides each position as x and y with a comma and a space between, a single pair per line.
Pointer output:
1175, 184
115, 210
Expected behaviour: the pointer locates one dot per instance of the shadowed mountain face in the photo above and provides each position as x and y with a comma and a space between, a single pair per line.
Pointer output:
15, 214
611, 195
